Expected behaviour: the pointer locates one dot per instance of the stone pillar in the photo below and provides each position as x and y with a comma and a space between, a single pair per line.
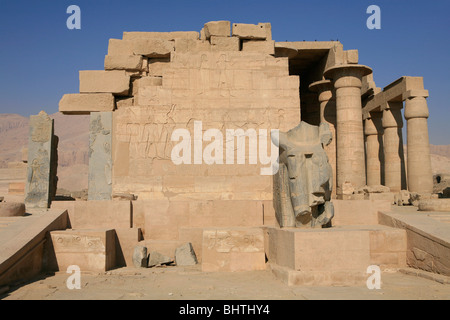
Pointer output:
327, 103
100, 156
351, 167
41, 180
420, 176
373, 131
394, 161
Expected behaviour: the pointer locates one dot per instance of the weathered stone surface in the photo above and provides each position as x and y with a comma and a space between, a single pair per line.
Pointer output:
233, 250
154, 48
140, 257
224, 43
86, 103
116, 82
438, 205
11, 209
217, 28
91, 250
250, 31
42, 162
267, 47
158, 259
308, 179
185, 255
127, 239
123, 62
374, 189
100, 156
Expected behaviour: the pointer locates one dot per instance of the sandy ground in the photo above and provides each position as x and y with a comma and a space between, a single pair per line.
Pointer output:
189, 283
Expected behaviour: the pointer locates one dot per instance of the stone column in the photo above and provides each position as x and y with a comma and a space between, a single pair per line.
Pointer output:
394, 168
373, 130
351, 166
100, 156
42, 163
420, 176
327, 103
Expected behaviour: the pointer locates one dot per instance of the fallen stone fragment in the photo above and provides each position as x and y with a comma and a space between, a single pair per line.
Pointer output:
158, 259
12, 209
185, 255
140, 257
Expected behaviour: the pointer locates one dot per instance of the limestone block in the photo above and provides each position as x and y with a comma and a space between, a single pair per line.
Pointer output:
161, 35
224, 43
234, 249
250, 31
191, 46
217, 28
126, 241
41, 175
86, 103
140, 257
156, 259
97, 81
125, 102
154, 48
438, 205
119, 47
153, 96
185, 255
12, 209
16, 188
123, 62
97, 214
91, 250
143, 82
267, 47
352, 56
100, 156
358, 212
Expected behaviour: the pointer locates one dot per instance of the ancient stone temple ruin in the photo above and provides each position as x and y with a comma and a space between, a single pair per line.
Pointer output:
181, 152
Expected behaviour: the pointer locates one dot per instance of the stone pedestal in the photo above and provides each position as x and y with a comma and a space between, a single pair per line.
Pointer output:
374, 150
420, 176
394, 162
91, 250
336, 256
351, 166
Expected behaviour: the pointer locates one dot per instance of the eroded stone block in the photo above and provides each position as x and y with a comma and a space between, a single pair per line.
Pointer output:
234, 249
250, 31
86, 103
91, 250
98, 81
127, 62
217, 28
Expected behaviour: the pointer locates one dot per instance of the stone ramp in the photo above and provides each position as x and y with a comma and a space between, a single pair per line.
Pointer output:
24, 242
428, 235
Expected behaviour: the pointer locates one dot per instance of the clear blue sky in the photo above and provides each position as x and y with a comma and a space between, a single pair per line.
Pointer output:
40, 58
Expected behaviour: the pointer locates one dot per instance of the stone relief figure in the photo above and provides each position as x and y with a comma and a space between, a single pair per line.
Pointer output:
303, 184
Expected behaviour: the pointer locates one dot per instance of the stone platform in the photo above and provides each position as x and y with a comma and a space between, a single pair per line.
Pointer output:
335, 256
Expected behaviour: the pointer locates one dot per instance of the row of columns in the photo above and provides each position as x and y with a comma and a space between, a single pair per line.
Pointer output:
371, 153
